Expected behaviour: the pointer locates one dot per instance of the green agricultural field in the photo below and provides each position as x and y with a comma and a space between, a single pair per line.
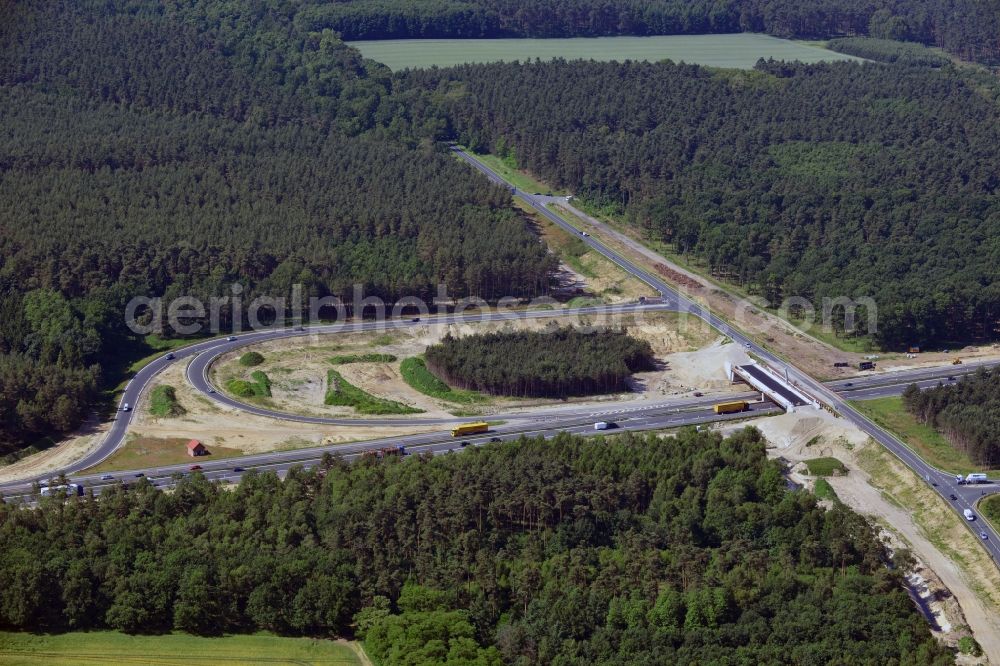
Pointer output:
107, 647
737, 51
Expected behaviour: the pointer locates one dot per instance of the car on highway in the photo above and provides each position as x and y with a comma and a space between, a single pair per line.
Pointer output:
415, 320
495, 439
194, 468
953, 497
747, 345
300, 328
139, 475
584, 233
984, 536
231, 338
237, 469
211, 390
464, 444
107, 477
126, 407
698, 394
170, 356
951, 378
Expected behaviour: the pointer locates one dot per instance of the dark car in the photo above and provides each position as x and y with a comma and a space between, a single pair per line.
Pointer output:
171, 356
849, 384
953, 497
464, 444
951, 378
698, 394
495, 439
237, 469
139, 475
415, 319
195, 468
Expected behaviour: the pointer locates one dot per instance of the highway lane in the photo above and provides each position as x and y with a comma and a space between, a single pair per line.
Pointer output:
796, 376
232, 469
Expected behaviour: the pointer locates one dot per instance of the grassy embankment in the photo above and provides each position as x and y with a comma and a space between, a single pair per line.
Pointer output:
341, 393
260, 387
163, 402
825, 467
108, 647
143, 452
363, 358
419, 378
929, 444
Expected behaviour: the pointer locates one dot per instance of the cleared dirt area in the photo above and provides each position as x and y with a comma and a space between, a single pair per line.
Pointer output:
218, 426
688, 350
60, 456
962, 584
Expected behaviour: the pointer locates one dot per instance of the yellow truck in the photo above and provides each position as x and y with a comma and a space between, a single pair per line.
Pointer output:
470, 429
731, 407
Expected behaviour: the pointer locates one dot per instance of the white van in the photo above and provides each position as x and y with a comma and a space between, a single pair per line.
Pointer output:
969, 515
601, 425
977, 478
126, 407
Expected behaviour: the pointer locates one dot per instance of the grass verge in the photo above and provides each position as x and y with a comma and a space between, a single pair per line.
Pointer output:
342, 393
419, 378
363, 358
928, 443
825, 491
989, 508
163, 402
110, 647
937, 522
260, 387
508, 170
825, 467
141, 452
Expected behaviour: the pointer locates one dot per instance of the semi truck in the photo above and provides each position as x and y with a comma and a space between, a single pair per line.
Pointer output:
977, 478
70, 490
731, 407
470, 429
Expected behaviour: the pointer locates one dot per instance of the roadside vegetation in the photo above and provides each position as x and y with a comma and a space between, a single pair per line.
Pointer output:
140, 452
966, 413
929, 444
341, 393
989, 508
363, 358
823, 490
555, 363
418, 377
163, 402
825, 467
371, 548
75, 648
251, 359
258, 386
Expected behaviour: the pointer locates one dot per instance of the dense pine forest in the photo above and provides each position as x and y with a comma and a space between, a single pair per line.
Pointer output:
177, 149
967, 28
966, 412
819, 181
554, 363
633, 550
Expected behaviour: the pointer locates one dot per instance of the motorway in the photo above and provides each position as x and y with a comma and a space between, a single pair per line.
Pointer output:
941, 482
543, 422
